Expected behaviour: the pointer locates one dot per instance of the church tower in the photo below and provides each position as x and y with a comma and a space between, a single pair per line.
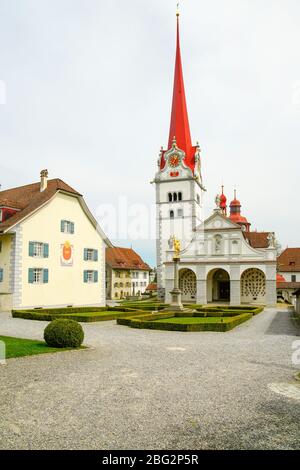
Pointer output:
178, 181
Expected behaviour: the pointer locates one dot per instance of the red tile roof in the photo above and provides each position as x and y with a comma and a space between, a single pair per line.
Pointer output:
257, 239
125, 258
29, 198
289, 260
152, 287
288, 285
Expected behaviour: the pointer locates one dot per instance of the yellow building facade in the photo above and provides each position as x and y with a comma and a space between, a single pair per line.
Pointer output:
53, 256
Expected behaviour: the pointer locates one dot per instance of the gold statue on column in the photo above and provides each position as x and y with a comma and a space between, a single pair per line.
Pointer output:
176, 246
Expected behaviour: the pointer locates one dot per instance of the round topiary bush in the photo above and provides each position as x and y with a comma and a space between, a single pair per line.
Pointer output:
64, 333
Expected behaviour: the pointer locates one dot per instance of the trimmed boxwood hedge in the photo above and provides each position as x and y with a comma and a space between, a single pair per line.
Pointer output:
143, 322
63, 333
147, 307
233, 319
86, 316
96, 314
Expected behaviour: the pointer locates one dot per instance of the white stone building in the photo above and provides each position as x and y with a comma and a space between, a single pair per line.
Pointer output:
221, 259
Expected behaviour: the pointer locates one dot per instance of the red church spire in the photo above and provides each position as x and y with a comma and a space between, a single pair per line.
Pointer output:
179, 127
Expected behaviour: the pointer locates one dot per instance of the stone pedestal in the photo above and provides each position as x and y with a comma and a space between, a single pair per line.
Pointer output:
176, 304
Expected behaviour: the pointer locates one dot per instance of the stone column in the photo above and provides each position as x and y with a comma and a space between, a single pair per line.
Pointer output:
201, 285
176, 303
271, 293
235, 285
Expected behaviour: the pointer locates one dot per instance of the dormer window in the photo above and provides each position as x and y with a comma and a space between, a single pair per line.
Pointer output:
6, 213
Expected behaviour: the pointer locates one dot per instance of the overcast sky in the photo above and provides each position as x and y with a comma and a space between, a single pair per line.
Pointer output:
89, 88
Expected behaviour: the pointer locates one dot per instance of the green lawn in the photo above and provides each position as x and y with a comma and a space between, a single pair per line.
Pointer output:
17, 347
192, 320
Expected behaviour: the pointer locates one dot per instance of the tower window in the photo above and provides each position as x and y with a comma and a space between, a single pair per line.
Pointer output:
171, 214
175, 197
198, 198
180, 213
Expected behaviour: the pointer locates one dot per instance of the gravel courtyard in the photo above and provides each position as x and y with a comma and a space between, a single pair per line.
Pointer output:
143, 389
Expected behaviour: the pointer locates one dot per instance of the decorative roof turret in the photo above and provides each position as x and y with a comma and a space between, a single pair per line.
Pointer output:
235, 214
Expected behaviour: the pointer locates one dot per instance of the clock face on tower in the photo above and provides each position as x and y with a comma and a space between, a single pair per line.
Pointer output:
174, 161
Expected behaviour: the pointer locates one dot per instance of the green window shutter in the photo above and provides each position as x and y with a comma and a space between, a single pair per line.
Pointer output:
95, 276
30, 275
31, 248
46, 250
72, 227
62, 225
1, 274
85, 254
45, 276
85, 276
95, 255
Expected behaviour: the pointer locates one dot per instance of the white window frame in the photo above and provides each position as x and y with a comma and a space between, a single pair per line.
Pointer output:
90, 254
90, 276
67, 224
38, 249
38, 276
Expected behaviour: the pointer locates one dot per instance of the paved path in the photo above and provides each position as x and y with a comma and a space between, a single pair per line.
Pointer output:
154, 389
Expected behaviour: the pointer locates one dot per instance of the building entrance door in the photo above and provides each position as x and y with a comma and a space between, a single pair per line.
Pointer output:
224, 290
